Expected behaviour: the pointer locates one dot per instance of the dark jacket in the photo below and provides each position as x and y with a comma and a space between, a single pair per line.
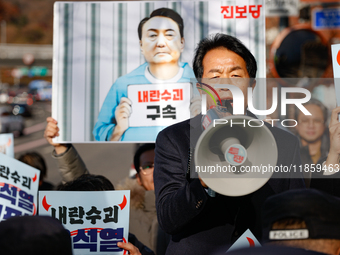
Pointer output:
199, 223
306, 159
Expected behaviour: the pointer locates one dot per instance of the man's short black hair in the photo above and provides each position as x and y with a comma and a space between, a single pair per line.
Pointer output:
143, 148
230, 43
87, 182
163, 12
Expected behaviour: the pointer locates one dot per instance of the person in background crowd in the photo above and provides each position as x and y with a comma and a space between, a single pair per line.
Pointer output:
299, 222
198, 222
327, 177
89, 182
313, 135
306, 219
143, 209
34, 235
143, 217
35, 160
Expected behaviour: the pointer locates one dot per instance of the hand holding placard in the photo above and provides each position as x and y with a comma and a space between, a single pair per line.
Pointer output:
52, 131
122, 114
334, 133
133, 250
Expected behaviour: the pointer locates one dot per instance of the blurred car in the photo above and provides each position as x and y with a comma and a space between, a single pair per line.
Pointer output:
40, 90
10, 123
3, 97
21, 109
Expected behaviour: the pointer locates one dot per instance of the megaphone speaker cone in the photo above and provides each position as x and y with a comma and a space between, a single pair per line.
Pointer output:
228, 158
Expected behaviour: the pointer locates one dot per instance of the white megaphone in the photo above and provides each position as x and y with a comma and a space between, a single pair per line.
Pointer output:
233, 155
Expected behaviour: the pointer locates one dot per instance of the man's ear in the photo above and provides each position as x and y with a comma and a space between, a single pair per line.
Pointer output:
140, 45
138, 179
182, 44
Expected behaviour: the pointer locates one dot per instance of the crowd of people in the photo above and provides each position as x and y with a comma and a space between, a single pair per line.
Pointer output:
188, 218
172, 210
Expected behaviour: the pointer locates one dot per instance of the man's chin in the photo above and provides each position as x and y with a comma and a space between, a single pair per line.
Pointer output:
311, 140
162, 58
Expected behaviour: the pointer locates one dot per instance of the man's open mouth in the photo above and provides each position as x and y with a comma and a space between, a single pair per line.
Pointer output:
225, 102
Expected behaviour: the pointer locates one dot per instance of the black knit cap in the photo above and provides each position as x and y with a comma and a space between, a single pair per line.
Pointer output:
34, 235
320, 212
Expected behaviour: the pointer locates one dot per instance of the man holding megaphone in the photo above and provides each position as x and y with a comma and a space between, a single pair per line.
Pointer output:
201, 221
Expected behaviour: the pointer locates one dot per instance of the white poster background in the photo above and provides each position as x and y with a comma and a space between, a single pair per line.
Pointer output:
119, 200
7, 144
19, 185
160, 96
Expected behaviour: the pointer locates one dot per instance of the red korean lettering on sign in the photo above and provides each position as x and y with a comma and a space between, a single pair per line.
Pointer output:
157, 95
154, 95
229, 12
255, 10
166, 95
178, 94
143, 96
241, 12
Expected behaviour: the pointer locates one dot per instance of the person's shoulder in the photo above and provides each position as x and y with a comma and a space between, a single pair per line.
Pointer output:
188, 72
177, 128
134, 74
181, 133
174, 139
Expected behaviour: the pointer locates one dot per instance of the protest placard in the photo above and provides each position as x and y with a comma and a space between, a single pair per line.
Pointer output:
96, 220
7, 144
159, 104
246, 240
99, 51
336, 70
18, 188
